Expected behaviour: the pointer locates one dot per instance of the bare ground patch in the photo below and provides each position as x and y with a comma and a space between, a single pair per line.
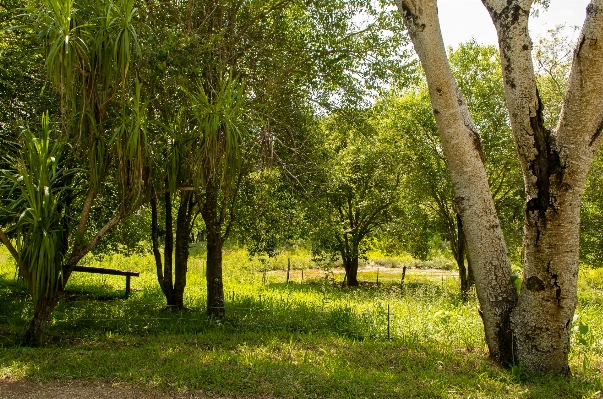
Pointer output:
20, 389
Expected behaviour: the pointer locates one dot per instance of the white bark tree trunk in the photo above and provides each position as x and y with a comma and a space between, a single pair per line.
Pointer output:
462, 148
554, 164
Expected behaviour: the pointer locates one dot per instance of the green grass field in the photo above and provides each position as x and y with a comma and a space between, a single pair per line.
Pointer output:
305, 339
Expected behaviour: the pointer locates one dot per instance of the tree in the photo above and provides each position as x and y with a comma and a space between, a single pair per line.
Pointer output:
533, 329
270, 213
174, 172
243, 74
553, 60
93, 155
477, 70
361, 189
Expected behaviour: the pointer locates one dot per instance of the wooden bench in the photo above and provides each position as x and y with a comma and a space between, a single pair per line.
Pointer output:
100, 270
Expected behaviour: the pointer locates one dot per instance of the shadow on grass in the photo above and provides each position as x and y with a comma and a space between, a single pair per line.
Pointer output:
88, 310
285, 365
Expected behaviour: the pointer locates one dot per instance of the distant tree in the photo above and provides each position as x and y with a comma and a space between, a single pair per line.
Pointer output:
363, 180
271, 215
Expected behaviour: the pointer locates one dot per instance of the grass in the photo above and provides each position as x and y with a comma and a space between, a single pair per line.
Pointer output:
283, 340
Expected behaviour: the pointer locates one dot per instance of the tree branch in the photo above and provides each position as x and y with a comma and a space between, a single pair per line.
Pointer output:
22, 267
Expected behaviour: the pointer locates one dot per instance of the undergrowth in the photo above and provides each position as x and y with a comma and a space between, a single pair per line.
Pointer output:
306, 338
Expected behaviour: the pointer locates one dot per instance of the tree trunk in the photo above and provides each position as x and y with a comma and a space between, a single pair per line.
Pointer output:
183, 221
465, 272
349, 257
168, 250
460, 257
215, 285
554, 164
175, 264
462, 148
33, 335
352, 271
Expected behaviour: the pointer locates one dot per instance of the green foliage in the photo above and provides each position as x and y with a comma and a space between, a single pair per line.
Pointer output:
361, 188
428, 190
35, 193
220, 124
477, 69
592, 216
23, 97
270, 216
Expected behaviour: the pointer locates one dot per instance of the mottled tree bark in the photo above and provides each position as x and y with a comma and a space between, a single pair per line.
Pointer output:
462, 148
554, 164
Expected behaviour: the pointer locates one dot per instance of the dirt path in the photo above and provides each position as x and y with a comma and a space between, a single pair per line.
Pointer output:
85, 390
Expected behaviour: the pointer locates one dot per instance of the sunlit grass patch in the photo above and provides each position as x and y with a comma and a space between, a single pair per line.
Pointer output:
304, 339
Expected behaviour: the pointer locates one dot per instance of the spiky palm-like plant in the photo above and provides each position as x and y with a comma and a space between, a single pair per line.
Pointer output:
90, 47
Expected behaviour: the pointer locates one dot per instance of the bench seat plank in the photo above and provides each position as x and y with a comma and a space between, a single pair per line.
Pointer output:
101, 270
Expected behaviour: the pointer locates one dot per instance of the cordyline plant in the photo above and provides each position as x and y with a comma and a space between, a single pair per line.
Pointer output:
49, 189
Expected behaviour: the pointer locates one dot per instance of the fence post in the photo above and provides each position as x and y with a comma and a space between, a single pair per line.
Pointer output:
378, 278
388, 316
288, 268
403, 275
302, 277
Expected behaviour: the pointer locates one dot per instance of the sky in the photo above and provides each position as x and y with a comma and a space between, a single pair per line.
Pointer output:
461, 20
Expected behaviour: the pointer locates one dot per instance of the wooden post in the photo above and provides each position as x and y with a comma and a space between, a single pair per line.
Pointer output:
403, 275
378, 278
302, 278
388, 316
288, 268
127, 287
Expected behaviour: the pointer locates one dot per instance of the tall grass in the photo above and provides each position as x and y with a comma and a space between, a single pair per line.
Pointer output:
308, 338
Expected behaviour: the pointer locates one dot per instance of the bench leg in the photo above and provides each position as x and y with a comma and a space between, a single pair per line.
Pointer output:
127, 287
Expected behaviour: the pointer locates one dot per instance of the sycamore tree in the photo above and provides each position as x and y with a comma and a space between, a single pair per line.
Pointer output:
553, 60
532, 328
477, 70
